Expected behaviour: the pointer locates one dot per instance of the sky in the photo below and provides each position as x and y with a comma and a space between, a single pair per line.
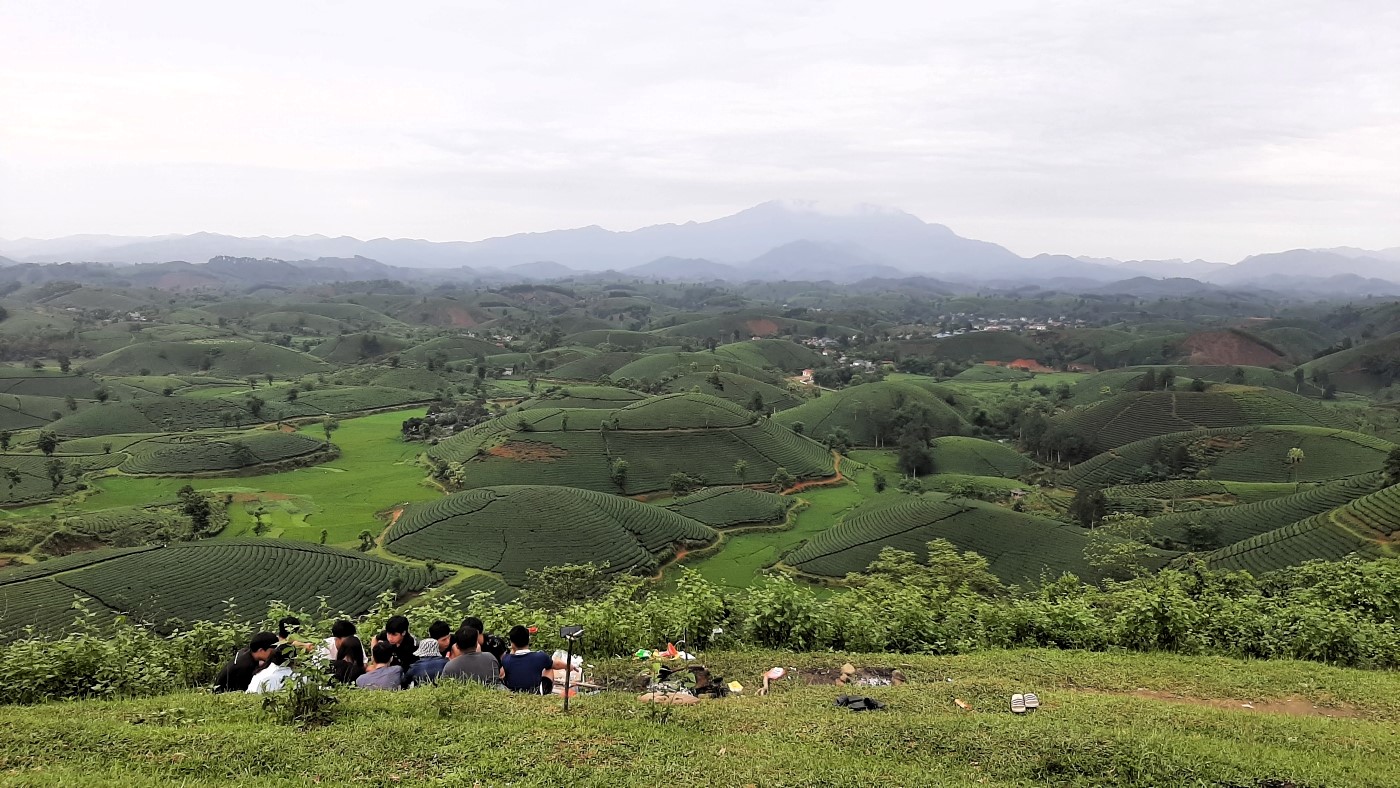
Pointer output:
1087, 127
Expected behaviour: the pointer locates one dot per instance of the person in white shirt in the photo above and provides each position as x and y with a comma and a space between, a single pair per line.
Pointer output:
273, 677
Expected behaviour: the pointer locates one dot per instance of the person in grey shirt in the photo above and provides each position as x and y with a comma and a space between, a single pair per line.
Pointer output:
469, 662
382, 673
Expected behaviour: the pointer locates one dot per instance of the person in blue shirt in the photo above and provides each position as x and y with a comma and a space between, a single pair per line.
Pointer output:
523, 670
432, 655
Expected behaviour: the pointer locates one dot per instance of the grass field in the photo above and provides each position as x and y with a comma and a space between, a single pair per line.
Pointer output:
375, 471
1105, 720
745, 554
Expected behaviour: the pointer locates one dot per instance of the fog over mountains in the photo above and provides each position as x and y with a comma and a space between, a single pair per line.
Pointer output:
772, 241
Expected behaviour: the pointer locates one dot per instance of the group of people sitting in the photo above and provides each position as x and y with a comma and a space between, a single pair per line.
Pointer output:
396, 660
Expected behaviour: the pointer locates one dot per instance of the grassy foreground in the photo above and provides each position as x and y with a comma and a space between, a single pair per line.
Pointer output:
1107, 719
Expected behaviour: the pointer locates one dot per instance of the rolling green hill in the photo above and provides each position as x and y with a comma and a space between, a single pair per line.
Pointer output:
738, 389
865, 412
658, 436
725, 507
1137, 415
233, 358
977, 457
779, 354
515, 528
1019, 547
190, 581
1246, 454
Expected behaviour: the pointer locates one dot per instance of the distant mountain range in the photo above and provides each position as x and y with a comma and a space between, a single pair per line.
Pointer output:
772, 241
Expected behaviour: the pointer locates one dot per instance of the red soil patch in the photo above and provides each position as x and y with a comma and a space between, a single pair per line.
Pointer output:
761, 327
837, 479
1210, 348
460, 318
395, 515
528, 451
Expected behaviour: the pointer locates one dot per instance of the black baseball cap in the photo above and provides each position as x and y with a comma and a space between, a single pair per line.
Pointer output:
262, 640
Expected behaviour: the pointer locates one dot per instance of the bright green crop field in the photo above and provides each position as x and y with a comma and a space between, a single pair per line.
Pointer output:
375, 471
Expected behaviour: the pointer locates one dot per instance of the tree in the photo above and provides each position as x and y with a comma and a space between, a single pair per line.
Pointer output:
55, 470
324, 533
1088, 506
12, 475
799, 427
1392, 465
880, 482
756, 402
64, 364
48, 443
1168, 379
366, 541
915, 457
618, 473
1329, 391
1148, 381
102, 394
1295, 458
292, 394
782, 480
534, 383
1298, 375
329, 425
681, 483
1198, 385
556, 588
196, 507
252, 381
5, 437
255, 405
741, 469
1119, 545
911, 485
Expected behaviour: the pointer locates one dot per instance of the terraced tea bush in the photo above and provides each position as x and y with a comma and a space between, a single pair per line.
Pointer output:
976, 457
1018, 547
738, 389
194, 454
1231, 524
725, 507
656, 365
192, 581
864, 412
779, 354
515, 528
1366, 526
583, 396
1248, 454
691, 433
234, 358
1133, 416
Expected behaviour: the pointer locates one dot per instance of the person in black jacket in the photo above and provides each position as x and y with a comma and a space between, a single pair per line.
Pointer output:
238, 673
405, 647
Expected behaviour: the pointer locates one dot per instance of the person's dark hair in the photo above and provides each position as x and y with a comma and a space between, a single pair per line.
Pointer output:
384, 652
466, 639
474, 623
343, 628
519, 636
261, 641
287, 625
439, 630
397, 625
351, 650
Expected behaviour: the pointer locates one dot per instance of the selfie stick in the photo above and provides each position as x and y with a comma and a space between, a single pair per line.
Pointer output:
569, 662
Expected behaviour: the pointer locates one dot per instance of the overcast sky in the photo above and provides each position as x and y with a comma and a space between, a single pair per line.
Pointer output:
1097, 127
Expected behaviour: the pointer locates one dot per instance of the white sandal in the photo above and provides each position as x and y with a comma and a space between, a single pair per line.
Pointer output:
1018, 703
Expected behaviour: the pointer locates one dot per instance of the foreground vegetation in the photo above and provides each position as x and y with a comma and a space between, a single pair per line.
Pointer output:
1106, 719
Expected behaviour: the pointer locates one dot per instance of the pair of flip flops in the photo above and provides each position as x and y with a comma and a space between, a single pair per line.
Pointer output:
1020, 704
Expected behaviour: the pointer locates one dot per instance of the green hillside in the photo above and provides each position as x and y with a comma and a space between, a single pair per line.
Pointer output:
233, 358
1246, 454
738, 389
583, 396
354, 348
691, 433
1137, 415
455, 347
866, 412
1230, 524
977, 457
180, 455
655, 366
512, 529
1364, 368
189, 581
1367, 526
779, 354
1018, 547
725, 507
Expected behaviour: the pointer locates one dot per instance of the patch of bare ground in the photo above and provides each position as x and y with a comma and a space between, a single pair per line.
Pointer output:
528, 451
1292, 707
